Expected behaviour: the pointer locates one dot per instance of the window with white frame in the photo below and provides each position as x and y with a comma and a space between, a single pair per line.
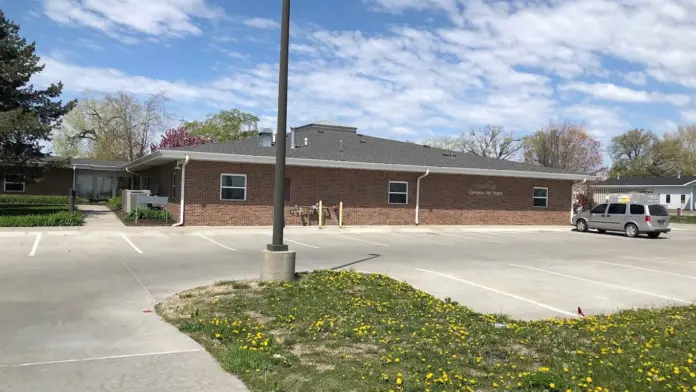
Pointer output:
14, 183
233, 187
398, 192
541, 197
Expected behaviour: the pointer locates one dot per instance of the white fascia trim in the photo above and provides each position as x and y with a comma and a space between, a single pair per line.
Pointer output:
270, 160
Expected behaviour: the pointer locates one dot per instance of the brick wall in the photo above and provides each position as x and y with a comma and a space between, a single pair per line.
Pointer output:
445, 199
54, 182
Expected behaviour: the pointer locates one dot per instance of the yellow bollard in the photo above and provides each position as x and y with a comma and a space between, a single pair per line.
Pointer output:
321, 214
340, 215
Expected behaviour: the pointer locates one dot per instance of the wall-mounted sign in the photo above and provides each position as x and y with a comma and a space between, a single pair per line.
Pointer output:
488, 188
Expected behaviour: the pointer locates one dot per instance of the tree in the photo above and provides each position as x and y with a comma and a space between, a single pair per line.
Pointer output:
564, 145
27, 115
226, 125
686, 137
491, 141
641, 153
443, 142
113, 127
178, 137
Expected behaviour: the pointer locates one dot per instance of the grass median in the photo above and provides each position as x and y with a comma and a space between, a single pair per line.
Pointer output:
346, 331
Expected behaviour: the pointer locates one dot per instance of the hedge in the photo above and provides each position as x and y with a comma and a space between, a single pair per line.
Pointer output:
149, 214
64, 218
38, 200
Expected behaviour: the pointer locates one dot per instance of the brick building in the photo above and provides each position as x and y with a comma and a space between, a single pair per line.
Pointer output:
379, 181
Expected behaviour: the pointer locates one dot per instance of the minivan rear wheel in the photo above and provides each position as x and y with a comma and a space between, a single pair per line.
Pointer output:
632, 230
653, 235
581, 225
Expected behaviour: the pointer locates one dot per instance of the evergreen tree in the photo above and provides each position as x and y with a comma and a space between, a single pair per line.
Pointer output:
27, 115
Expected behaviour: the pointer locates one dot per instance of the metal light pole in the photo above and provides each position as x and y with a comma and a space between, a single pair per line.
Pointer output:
277, 262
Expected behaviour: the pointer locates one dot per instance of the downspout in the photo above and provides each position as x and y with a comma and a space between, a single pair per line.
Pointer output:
74, 178
183, 193
572, 200
418, 194
135, 174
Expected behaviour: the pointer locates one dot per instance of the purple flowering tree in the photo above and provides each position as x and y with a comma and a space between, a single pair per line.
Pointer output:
179, 137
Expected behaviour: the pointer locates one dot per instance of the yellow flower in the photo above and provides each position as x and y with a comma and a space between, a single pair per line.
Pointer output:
544, 369
552, 385
217, 335
398, 381
589, 379
428, 376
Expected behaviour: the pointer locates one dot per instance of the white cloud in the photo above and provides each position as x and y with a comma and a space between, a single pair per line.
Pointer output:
262, 23
637, 78
121, 19
612, 92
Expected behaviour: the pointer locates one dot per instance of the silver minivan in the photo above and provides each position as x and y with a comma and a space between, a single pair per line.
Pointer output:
633, 219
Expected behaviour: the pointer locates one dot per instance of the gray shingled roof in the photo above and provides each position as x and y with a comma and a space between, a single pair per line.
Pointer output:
353, 147
91, 163
647, 181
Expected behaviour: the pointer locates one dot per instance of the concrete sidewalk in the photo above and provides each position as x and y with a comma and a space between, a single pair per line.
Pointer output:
99, 217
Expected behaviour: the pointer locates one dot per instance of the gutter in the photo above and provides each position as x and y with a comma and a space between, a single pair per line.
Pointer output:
183, 192
427, 172
270, 160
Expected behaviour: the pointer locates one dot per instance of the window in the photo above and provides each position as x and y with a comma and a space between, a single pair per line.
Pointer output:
172, 197
668, 199
14, 183
617, 209
398, 192
599, 209
658, 210
637, 209
541, 197
233, 187
683, 199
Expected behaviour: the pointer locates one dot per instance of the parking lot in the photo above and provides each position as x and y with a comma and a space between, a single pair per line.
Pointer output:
77, 306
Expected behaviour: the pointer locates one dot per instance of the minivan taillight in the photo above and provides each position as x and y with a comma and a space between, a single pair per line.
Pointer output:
647, 219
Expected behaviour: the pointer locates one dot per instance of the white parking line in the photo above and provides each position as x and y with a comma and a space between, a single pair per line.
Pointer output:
152, 299
601, 283
131, 243
473, 238
420, 239
300, 243
643, 269
102, 358
517, 297
519, 235
658, 259
356, 239
215, 242
36, 244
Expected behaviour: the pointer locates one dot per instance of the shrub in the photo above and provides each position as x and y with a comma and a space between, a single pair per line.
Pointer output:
38, 200
64, 218
114, 203
14, 210
581, 203
149, 214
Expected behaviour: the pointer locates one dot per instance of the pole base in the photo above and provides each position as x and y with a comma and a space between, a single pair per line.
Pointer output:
277, 266
277, 248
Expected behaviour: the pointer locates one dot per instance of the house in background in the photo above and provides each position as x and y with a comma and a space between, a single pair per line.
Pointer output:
379, 181
93, 179
674, 192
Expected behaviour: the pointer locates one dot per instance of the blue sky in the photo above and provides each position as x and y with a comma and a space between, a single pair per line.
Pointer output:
404, 69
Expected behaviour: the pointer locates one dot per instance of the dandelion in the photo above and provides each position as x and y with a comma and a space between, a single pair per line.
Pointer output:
552, 385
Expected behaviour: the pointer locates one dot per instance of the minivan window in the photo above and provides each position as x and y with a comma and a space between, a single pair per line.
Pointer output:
599, 209
637, 209
617, 209
658, 210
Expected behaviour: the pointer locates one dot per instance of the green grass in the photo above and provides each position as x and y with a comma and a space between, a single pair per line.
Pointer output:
345, 331
39, 216
38, 200
149, 214
684, 219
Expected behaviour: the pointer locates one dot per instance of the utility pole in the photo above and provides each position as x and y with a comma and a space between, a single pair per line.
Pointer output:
277, 262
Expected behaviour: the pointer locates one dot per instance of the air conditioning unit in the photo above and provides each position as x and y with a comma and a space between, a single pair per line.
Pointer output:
128, 198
